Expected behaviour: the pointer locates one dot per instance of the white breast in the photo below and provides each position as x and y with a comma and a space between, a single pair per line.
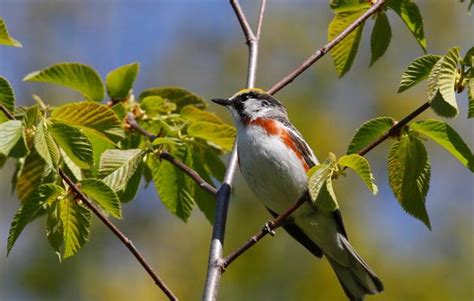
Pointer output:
271, 169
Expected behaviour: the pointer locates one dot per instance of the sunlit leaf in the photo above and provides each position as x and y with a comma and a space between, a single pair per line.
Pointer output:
7, 98
179, 96
120, 81
74, 143
368, 132
5, 38
380, 38
342, 6
441, 133
411, 16
362, 167
10, 133
447, 76
45, 145
470, 94
29, 175
31, 208
320, 187
133, 184
118, 166
417, 70
156, 105
103, 195
409, 176
219, 135
79, 77
192, 113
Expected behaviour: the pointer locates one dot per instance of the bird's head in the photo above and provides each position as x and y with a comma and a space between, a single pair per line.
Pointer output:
250, 104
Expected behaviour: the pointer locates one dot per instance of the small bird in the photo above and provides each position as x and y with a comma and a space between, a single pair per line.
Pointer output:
273, 159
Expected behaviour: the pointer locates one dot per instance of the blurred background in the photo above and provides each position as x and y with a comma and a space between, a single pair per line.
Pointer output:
198, 45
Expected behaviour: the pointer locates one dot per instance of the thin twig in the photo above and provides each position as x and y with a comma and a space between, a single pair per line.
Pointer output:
278, 221
214, 270
170, 158
325, 49
126, 241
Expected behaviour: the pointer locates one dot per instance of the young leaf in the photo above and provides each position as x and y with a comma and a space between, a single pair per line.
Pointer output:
179, 96
103, 195
368, 132
441, 133
468, 57
120, 81
7, 97
174, 188
447, 76
409, 176
29, 175
118, 166
45, 145
68, 227
320, 187
417, 70
342, 6
380, 38
31, 208
362, 167
5, 38
156, 106
91, 117
131, 189
470, 95
79, 77
219, 135
343, 54
74, 143
411, 16
192, 113
10, 133
439, 105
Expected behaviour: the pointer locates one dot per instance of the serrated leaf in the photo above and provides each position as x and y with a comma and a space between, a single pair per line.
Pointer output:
344, 53
470, 95
103, 195
341, 6
417, 70
409, 176
31, 208
45, 145
5, 38
361, 166
441, 133
7, 97
120, 81
74, 143
320, 187
468, 57
79, 77
411, 16
368, 132
91, 117
179, 96
10, 133
118, 166
156, 106
192, 113
71, 168
219, 135
174, 188
380, 38
447, 76
133, 184
29, 175
68, 227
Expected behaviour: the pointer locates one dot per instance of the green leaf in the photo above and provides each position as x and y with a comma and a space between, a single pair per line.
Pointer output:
5, 38
411, 16
30, 175
441, 133
74, 143
31, 208
7, 97
447, 76
343, 54
175, 189
192, 113
417, 70
380, 38
79, 77
91, 117
219, 135
179, 96
156, 106
45, 145
368, 132
103, 195
409, 176
341, 6
470, 95
130, 191
468, 57
120, 81
10, 132
68, 227
320, 187
205, 201
118, 166
362, 167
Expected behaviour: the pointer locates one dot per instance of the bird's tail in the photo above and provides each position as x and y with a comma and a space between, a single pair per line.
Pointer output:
357, 279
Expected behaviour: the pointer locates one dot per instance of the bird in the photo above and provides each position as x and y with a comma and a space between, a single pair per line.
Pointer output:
274, 159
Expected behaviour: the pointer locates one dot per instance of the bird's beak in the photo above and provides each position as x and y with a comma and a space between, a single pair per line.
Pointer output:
222, 101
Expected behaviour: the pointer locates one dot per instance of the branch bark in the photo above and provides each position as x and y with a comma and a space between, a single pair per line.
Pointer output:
272, 225
325, 49
214, 270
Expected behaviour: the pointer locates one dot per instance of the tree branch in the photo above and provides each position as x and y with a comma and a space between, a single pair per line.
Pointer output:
325, 49
214, 270
126, 241
132, 122
278, 221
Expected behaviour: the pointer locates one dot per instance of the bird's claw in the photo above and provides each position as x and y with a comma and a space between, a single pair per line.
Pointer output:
268, 228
